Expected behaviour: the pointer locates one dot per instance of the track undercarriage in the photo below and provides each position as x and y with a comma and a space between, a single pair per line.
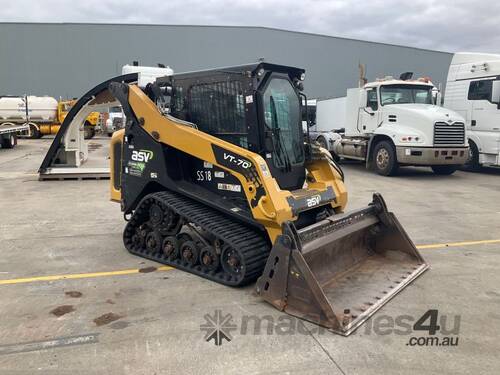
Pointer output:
174, 230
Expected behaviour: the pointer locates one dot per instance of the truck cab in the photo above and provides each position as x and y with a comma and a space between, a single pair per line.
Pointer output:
473, 90
393, 122
115, 120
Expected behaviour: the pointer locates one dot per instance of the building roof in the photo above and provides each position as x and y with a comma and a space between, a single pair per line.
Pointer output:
222, 26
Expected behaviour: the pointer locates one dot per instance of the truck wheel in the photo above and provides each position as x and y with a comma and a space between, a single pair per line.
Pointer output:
384, 159
35, 132
88, 131
444, 170
10, 141
472, 163
322, 142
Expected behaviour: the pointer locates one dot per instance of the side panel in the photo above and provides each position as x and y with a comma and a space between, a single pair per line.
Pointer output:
352, 112
455, 98
330, 115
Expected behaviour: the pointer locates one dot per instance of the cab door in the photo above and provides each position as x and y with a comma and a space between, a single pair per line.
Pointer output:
369, 116
485, 115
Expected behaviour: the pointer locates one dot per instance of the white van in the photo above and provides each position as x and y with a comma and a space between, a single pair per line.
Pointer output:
473, 90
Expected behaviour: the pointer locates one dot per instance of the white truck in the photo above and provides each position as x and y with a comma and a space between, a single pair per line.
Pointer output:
13, 115
473, 91
392, 122
115, 120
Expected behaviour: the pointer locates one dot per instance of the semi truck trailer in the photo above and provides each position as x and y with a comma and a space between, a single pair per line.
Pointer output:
9, 132
390, 123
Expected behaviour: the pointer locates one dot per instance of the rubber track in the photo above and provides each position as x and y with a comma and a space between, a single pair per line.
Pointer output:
252, 245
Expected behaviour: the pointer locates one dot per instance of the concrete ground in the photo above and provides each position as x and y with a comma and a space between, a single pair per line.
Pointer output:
116, 320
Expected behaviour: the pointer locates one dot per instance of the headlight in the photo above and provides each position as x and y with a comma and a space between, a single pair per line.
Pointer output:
303, 76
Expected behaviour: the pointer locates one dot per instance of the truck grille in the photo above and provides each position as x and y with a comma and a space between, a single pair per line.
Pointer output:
449, 134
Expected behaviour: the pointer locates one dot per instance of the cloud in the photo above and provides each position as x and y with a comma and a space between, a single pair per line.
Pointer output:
448, 25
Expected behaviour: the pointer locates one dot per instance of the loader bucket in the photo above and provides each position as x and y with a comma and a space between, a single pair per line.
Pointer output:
340, 271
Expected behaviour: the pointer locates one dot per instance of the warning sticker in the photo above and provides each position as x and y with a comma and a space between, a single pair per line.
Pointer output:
135, 168
229, 187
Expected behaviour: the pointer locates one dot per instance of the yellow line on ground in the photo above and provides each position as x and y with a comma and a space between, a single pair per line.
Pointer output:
77, 276
456, 244
167, 268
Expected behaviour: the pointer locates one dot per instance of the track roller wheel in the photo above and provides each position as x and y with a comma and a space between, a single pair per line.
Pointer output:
153, 242
190, 252
171, 223
139, 237
170, 247
155, 215
209, 259
232, 262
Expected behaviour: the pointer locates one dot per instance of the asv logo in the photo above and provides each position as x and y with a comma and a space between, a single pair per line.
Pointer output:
142, 155
313, 201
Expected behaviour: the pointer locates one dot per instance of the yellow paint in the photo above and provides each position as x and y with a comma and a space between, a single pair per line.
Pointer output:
456, 244
115, 193
77, 276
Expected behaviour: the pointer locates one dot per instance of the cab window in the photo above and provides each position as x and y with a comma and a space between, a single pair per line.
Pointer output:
372, 101
480, 90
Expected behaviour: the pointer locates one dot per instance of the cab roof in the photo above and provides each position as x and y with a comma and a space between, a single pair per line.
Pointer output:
245, 69
392, 81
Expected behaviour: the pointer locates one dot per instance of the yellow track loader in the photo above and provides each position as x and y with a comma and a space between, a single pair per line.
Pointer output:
216, 177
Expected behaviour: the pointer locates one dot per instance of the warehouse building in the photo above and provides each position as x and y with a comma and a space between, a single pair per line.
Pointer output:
65, 60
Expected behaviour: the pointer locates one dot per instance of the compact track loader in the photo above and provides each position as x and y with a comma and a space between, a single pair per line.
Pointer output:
216, 177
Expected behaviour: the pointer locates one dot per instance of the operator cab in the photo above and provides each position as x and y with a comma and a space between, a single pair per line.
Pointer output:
257, 107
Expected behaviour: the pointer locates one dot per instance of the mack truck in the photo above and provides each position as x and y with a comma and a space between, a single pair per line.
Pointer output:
391, 123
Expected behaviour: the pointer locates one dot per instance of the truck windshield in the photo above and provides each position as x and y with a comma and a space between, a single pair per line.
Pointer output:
403, 94
282, 116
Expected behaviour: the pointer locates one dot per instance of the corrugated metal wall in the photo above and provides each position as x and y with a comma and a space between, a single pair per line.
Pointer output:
68, 59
